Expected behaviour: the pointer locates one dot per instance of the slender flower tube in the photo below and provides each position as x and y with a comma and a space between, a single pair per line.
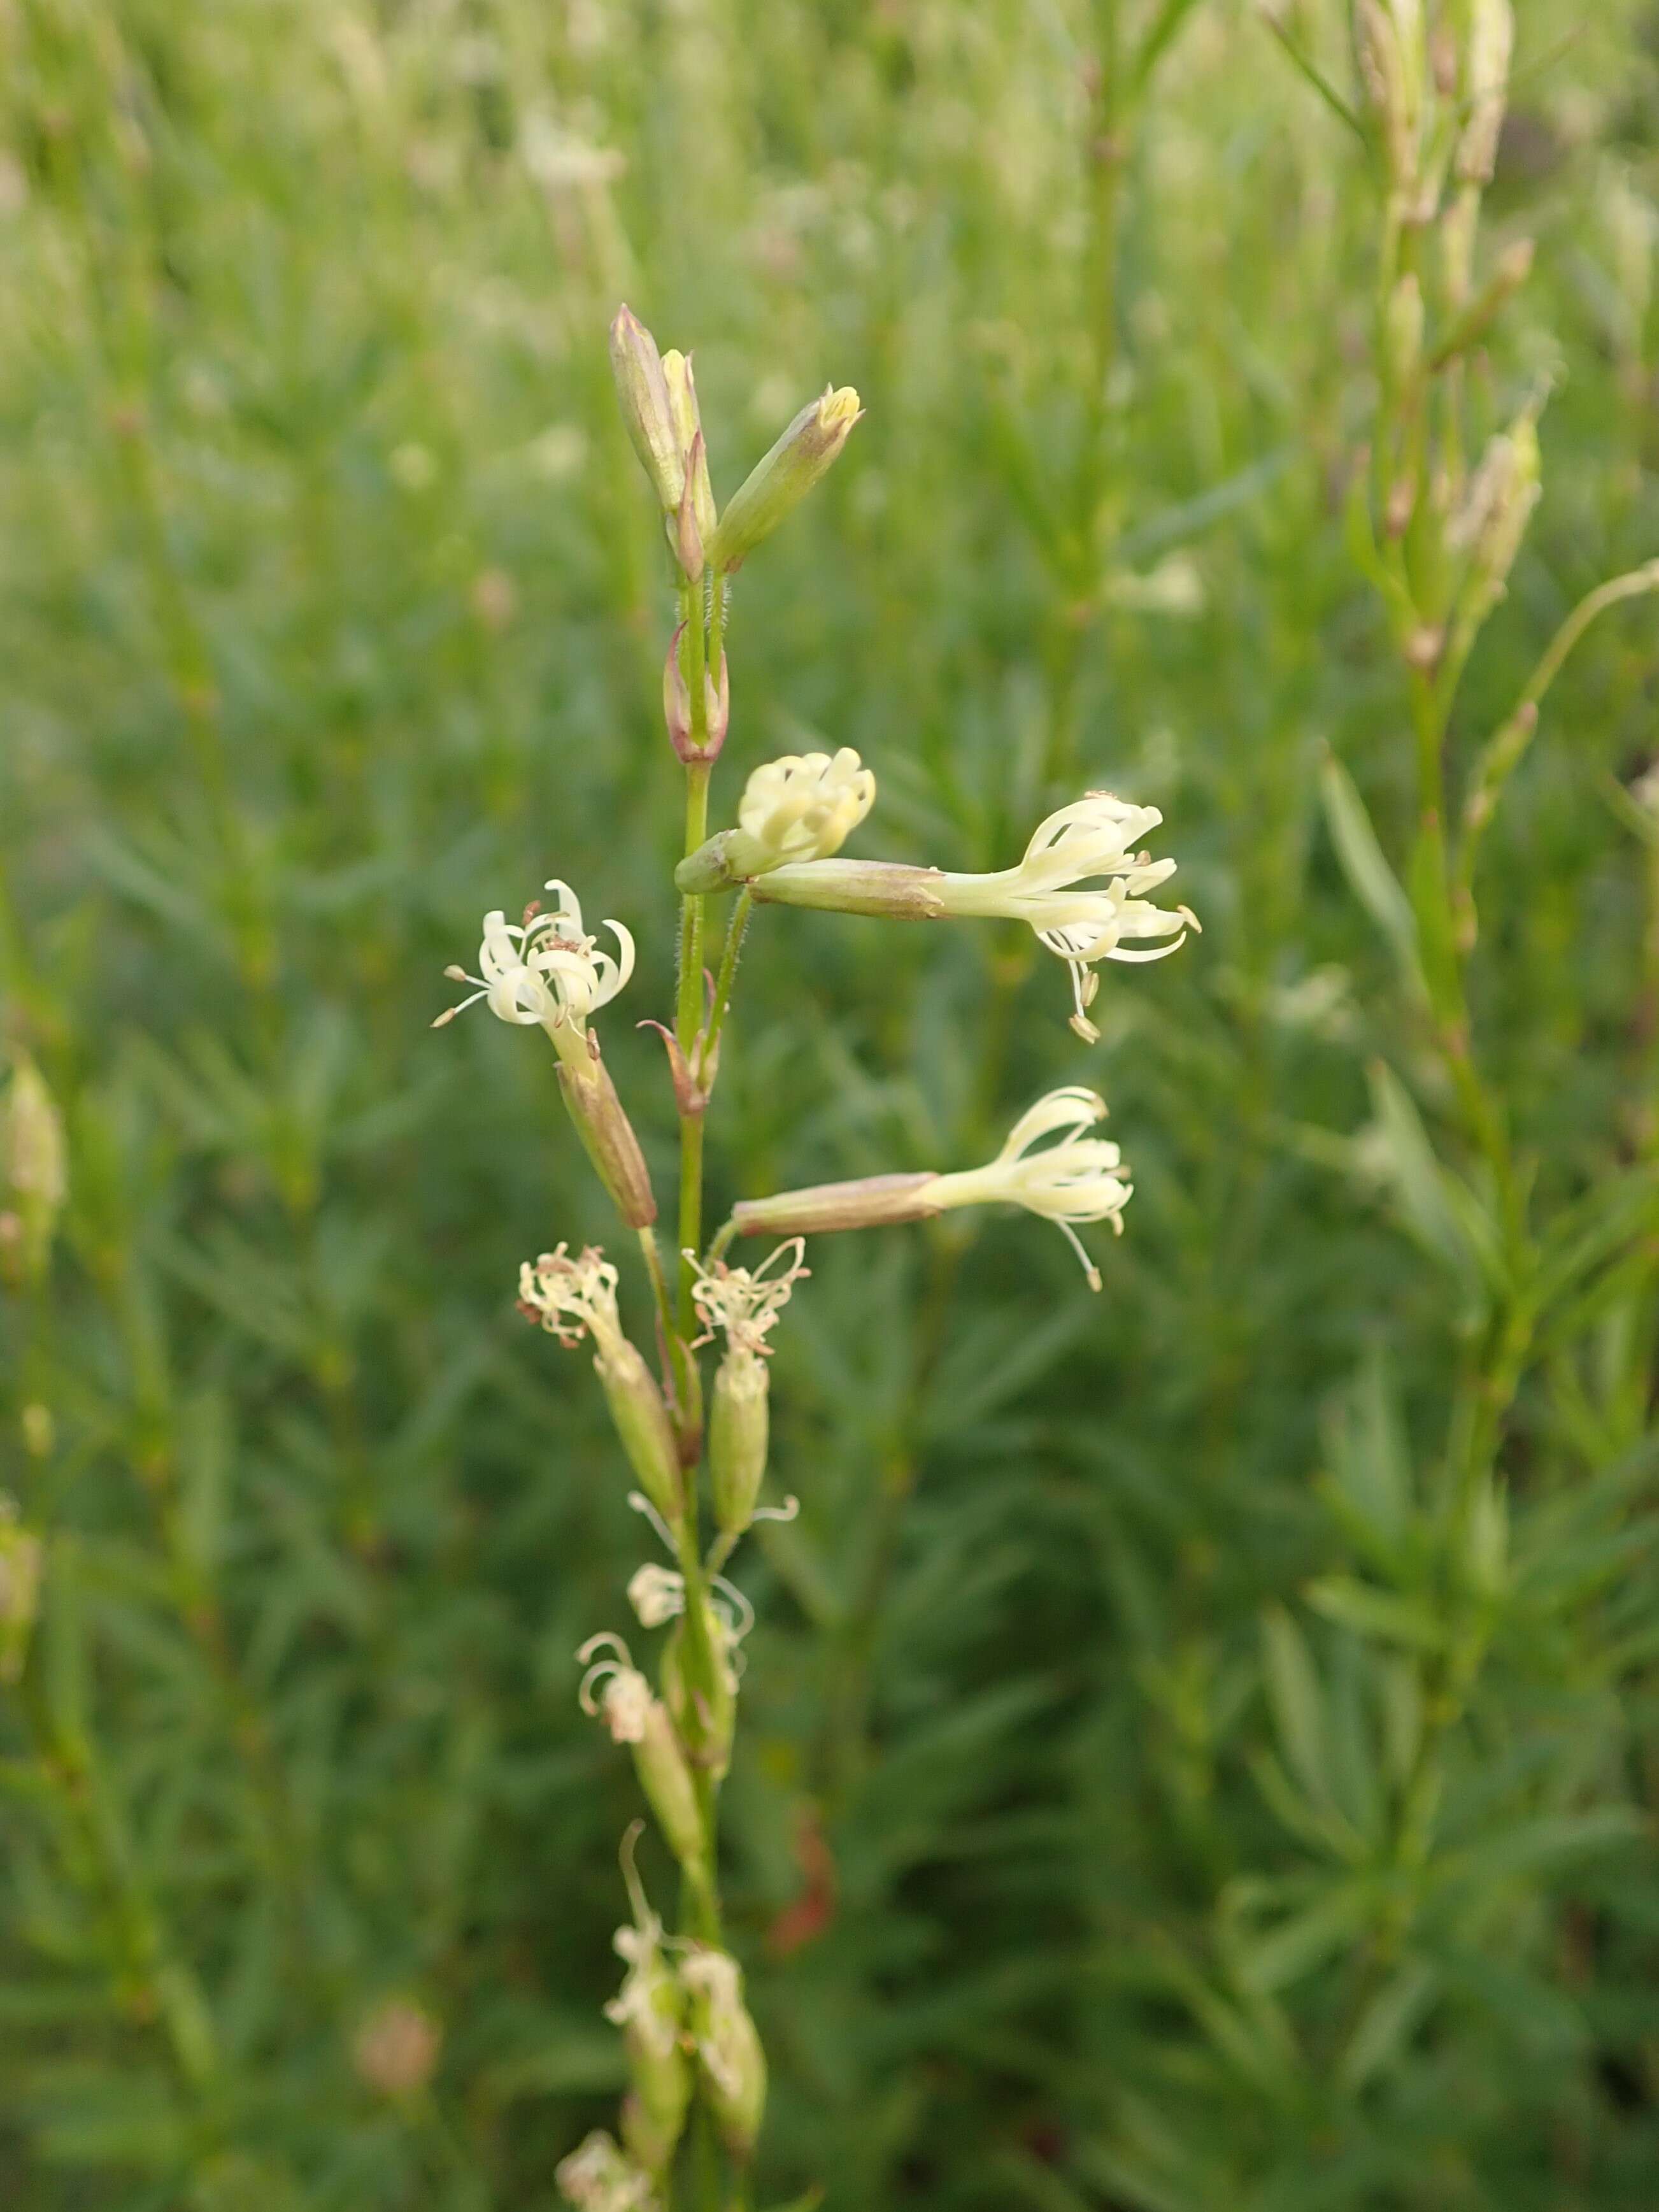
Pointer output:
1081, 1178
575, 1297
1080, 886
801, 808
648, 407
547, 972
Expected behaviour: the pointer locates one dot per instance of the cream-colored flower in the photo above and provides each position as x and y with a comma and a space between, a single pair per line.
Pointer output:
656, 1593
613, 1689
1081, 886
1081, 1178
546, 971
802, 807
746, 1302
598, 2176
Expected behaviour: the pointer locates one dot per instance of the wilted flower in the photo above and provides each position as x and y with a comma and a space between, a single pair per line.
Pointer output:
625, 1699
597, 2177
574, 1296
656, 1593
746, 1302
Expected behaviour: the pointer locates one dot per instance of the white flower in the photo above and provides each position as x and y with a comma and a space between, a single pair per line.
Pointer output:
597, 2177
638, 2002
656, 1593
745, 1303
546, 971
624, 1703
803, 807
1081, 887
1081, 1178
573, 1297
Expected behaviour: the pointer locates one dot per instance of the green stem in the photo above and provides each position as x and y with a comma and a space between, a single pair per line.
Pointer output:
735, 931
687, 1022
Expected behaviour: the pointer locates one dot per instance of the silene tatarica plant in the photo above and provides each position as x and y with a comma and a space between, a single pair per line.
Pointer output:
1084, 885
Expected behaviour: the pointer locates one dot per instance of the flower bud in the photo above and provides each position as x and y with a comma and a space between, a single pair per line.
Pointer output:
646, 408
738, 1426
868, 1202
1403, 332
22, 1555
33, 1172
1510, 273
729, 2054
1492, 518
687, 428
1492, 40
603, 1125
779, 482
677, 708
705, 1714
1389, 37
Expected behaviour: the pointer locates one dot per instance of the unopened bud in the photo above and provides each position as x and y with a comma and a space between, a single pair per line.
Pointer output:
1492, 40
647, 410
688, 537
21, 1555
1388, 38
1496, 510
738, 1421
1403, 332
33, 1170
867, 1202
603, 1125
687, 428
729, 2054
677, 708
779, 482
1510, 273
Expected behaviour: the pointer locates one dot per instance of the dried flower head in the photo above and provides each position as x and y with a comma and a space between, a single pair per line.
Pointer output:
572, 1298
546, 971
746, 1302
1081, 1178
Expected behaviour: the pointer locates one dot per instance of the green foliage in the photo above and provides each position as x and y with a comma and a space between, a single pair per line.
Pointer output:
1196, 1749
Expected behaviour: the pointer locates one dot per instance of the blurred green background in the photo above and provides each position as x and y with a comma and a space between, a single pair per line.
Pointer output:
1067, 1843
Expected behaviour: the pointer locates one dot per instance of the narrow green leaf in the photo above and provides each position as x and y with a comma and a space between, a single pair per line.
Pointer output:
1372, 881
